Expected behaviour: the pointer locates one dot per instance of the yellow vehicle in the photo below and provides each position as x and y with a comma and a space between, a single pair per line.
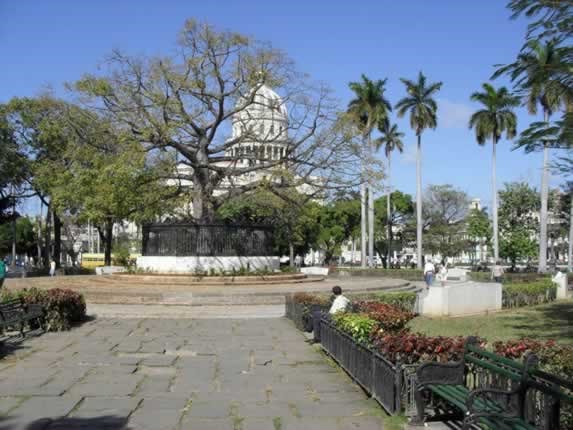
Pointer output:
91, 261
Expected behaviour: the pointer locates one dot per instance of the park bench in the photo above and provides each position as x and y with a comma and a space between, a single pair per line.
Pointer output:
500, 397
17, 313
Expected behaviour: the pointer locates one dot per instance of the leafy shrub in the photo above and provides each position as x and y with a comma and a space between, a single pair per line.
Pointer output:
62, 307
311, 299
553, 358
406, 274
409, 348
525, 294
402, 300
359, 326
508, 278
388, 317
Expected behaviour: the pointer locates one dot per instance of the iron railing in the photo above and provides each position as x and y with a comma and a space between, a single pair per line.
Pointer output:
376, 375
206, 240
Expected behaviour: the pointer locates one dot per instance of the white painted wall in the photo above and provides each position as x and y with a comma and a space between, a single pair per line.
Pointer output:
193, 264
465, 298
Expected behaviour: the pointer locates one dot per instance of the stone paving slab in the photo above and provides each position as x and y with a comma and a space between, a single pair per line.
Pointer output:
171, 374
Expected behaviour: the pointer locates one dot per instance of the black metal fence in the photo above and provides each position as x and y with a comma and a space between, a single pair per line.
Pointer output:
206, 240
379, 377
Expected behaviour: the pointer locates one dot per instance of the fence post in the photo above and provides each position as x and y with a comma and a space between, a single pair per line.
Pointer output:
398, 376
551, 413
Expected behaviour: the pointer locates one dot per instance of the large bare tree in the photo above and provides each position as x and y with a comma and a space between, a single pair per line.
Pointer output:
202, 102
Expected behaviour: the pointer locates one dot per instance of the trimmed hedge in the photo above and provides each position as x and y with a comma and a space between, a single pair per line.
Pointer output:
406, 274
526, 294
508, 277
63, 308
402, 300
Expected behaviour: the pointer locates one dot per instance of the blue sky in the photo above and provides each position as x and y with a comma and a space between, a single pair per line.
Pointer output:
47, 43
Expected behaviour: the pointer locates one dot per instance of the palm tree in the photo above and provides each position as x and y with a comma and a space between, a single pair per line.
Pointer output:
534, 74
392, 140
492, 121
421, 106
368, 109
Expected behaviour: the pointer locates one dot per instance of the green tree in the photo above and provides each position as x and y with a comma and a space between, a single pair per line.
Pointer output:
533, 74
108, 178
369, 109
391, 139
401, 214
479, 231
337, 220
490, 122
445, 211
422, 108
518, 222
39, 128
214, 82
293, 216
25, 237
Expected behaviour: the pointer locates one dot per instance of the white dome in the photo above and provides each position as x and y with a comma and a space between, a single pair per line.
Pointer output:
267, 116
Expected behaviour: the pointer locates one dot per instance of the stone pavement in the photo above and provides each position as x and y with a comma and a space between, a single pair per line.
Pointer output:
157, 374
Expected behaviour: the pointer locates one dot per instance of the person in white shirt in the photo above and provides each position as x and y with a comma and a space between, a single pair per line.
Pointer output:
340, 303
429, 271
497, 271
52, 268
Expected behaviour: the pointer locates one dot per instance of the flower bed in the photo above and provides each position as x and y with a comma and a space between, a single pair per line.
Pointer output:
63, 308
388, 318
527, 294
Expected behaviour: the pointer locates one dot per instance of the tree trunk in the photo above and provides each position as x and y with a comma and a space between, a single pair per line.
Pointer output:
48, 237
419, 202
494, 202
202, 210
570, 250
14, 230
107, 240
363, 225
290, 254
57, 239
389, 209
371, 254
543, 213
39, 262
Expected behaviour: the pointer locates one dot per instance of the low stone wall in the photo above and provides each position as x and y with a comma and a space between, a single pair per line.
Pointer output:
195, 264
465, 298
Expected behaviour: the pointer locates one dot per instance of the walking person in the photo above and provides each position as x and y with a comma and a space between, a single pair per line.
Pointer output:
2, 272
497, 272
429, 272
52, 268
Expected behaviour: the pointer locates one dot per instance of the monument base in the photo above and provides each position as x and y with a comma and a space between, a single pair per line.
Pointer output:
206, 264
457, 299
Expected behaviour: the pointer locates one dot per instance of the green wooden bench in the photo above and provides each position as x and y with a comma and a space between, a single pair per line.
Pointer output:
499, 407
17, 313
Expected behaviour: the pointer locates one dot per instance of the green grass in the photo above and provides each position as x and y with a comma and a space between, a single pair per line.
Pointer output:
542, 322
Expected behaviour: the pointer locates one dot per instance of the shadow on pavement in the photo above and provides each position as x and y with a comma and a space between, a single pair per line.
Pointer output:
108, 422
10, 343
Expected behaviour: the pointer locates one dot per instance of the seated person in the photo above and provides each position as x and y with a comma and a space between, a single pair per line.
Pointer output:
340, 303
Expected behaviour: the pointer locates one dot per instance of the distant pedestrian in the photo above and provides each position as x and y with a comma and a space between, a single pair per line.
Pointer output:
497, 272
52, 268
429, 272
2, 272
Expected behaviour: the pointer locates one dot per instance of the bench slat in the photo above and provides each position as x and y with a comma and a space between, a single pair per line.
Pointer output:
490, 366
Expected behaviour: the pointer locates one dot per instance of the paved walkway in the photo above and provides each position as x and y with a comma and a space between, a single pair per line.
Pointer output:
178, 374
104, 289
